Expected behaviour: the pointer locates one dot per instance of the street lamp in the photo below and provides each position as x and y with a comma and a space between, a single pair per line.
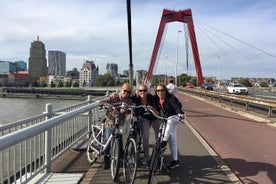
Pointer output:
177, 57
218, 71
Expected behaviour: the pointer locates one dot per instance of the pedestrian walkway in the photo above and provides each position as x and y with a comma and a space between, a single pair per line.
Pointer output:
198, 164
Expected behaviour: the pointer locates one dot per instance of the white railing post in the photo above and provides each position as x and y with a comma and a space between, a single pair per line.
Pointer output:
90, 114
48, 139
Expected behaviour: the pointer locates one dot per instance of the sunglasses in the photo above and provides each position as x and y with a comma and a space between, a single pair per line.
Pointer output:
160, 90
126, 91
142, 90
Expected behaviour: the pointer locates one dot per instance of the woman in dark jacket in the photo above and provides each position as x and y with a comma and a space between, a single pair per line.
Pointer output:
143, 97
170, 108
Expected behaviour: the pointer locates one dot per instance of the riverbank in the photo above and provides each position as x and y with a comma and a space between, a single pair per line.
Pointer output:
44, 96
63, 93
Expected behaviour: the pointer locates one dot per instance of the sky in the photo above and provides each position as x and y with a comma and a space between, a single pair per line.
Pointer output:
235, 38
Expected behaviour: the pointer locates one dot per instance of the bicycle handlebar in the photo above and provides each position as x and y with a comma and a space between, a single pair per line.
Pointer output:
165, 118
127, 106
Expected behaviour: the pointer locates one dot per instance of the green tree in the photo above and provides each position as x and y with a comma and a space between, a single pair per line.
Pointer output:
183, 79
53, 84
245, 82
35, 84
60, 84
263, 84
193, 80
68, 84
155, 80
44, 84
104, 80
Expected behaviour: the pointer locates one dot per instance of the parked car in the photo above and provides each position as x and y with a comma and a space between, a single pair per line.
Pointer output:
207, 86
189, 85
237, 88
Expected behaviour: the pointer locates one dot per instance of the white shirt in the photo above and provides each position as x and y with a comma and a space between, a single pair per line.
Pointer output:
172, 88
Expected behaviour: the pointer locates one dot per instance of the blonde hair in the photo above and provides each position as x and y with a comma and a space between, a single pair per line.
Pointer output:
127, 86
143, 85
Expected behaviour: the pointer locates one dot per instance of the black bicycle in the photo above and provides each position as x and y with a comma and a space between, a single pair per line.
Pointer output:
157, 157
133, 145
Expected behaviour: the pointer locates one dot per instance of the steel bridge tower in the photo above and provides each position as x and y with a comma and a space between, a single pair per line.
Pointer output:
184, 16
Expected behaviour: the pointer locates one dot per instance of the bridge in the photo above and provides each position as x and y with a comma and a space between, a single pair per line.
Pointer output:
217, 146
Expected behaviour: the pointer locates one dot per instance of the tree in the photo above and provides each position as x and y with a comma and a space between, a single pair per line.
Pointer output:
44, 84
245, 82
53, 84
183, 79
76, 84
104, 80
35, 84
60, 84
155, 80
68, 84
263, 84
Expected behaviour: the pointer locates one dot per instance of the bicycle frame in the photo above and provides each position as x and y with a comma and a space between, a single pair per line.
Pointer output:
97, 145
102, 146
157, 153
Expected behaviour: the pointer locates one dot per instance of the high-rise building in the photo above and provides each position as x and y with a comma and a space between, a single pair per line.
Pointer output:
88, 74
7, 67
112, 69
21, 65
56, 63
37, 61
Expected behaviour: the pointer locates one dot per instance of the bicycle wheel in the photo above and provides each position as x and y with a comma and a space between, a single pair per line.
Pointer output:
91, 153
153, 165
115, 157
130, 161
92, 146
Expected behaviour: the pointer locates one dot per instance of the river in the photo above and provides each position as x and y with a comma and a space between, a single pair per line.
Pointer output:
13, 109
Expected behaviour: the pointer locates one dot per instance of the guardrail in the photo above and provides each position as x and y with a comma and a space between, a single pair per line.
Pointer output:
250, 103
29, 147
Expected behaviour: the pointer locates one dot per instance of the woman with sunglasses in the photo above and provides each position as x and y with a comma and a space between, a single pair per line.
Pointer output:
123, 96
143, 97
168, 105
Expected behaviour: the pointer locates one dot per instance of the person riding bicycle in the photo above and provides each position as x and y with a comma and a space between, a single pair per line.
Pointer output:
169, 108
143, 97
124, 97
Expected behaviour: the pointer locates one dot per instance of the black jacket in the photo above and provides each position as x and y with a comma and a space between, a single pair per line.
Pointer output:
170, 106
151, 100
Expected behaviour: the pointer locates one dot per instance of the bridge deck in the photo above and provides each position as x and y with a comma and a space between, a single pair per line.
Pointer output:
198, 162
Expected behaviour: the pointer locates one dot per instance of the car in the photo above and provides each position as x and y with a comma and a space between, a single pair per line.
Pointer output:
237, 88
207, 86
189, 85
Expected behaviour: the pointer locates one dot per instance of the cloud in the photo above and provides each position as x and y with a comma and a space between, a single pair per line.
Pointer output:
95, 29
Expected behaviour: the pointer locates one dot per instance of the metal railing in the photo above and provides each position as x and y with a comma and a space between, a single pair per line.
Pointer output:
250, 103
28, 147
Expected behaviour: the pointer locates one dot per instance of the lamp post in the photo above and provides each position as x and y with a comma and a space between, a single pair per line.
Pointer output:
218, 71
176, 83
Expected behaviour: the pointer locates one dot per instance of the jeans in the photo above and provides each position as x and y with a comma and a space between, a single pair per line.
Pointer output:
170, 134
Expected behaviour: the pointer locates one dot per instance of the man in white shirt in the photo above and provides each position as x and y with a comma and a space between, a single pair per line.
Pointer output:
171, 87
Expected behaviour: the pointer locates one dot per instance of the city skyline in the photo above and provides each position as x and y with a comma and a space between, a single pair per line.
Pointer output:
83, 32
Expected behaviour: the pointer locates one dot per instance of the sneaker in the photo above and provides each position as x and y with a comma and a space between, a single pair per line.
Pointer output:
174, 164
106, 164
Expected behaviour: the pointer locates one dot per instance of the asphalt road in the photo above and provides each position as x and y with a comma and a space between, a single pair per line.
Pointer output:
245, 145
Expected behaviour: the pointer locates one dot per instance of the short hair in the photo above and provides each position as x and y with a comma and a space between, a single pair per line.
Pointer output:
171, 80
